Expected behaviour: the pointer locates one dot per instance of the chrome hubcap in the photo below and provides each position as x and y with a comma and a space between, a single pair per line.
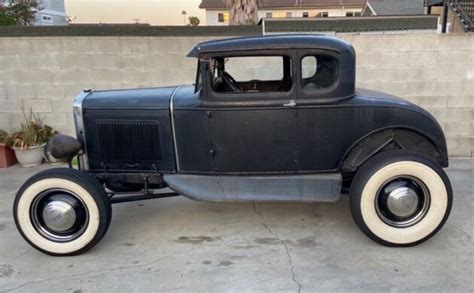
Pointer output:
59, 215
402, 201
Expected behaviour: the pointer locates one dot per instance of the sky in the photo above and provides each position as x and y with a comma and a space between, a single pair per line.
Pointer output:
155, 12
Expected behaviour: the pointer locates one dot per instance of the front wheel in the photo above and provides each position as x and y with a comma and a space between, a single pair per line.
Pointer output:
62, 211
400, 198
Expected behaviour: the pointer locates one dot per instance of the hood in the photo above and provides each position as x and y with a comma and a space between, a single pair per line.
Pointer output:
146, 98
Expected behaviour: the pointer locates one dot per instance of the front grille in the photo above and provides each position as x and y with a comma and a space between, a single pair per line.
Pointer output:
129, 141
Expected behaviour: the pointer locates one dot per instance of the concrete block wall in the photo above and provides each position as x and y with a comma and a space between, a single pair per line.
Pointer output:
46, 73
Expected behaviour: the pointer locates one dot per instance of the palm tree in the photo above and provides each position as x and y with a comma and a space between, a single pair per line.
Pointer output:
184, 16
243, 12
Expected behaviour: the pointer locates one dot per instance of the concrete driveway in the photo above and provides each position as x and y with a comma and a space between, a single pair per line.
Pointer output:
176, 244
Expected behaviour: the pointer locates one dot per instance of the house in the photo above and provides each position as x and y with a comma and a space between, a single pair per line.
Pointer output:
51, 12
217, 11
390, 7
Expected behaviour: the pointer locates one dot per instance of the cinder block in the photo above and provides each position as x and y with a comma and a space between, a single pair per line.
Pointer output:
455, 57
436, 73
15, 46
7, 62
52, 45
468, 87
379, 74
466, 142
370, 59
433, 101
71, 91
459, 153
418, 58
459, 128
73, 76
177, 45
9, 106
5, 121
49, 91
406, 73
459, 42
37, 105
55, 119
460, 101
451, 114
64, 106
74, 61
133, 45
104, 45
394, 59
67, 130
135, 61
105, 61
9, 76
37, 77
75, 45
21, 91
156, 45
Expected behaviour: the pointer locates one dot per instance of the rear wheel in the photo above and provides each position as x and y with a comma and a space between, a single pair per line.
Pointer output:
400, 198
62, 211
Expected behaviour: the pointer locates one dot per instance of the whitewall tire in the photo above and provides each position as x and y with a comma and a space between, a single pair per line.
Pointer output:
400, 198
62, 211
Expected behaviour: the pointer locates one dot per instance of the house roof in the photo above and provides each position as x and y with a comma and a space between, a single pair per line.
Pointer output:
275, 4
399, 7
271, 42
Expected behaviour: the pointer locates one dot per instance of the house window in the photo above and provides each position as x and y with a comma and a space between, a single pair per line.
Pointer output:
325, 14
223, 17
269, 15
288, 14
349, 14
47, 18
305, 14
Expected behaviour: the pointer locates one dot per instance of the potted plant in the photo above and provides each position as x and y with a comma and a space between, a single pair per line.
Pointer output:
7, 156
30, 141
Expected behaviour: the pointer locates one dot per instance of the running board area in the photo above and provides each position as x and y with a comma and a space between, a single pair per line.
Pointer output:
298, 188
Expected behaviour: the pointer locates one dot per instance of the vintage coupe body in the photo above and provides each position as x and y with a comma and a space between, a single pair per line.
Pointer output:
272, 118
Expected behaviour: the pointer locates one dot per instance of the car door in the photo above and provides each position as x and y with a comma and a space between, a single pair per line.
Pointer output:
255, 130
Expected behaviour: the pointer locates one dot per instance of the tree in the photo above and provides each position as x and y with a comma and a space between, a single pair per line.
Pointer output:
194, 20
184, 16
22, 11
5, 18
243, 12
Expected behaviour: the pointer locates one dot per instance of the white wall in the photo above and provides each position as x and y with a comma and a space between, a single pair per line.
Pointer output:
435, 71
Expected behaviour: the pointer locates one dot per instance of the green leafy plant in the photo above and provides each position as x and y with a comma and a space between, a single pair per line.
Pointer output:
5, 18
5, 139
32, 132
19, 12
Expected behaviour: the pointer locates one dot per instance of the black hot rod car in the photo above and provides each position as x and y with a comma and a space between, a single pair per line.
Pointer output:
273, 118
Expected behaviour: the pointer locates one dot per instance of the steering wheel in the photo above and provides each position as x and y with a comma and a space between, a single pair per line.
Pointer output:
231, 82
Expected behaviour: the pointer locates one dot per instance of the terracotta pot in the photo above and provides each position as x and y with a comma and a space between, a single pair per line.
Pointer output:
7, 156
30, 157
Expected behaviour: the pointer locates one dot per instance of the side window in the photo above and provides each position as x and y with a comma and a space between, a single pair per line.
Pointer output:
318, 72
251, 74
198, 84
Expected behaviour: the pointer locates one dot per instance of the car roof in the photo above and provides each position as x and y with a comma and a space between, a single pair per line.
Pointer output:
271, 42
